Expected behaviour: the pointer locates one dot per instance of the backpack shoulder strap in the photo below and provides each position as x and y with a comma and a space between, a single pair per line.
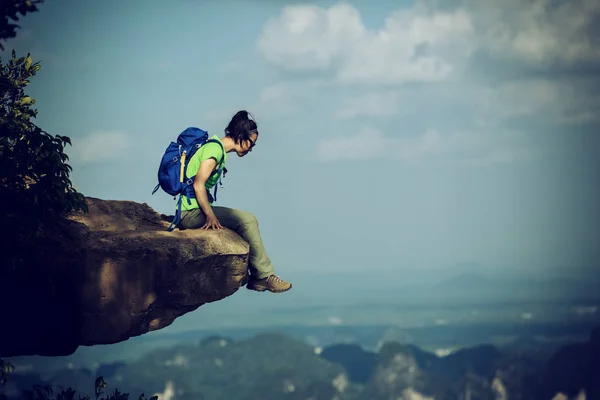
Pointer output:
222, 148
214, 196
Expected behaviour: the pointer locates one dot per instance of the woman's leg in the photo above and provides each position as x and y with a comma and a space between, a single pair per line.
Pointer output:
246, 225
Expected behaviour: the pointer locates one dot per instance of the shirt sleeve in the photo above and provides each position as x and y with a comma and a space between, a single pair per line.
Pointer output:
211, 150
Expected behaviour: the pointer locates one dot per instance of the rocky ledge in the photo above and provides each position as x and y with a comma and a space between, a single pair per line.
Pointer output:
110, 274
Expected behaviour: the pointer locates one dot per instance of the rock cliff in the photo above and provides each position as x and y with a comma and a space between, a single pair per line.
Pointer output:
114, 273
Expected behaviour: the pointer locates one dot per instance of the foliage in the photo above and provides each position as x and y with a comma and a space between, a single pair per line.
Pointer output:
10, 10
34, 175
6, 369
46, 392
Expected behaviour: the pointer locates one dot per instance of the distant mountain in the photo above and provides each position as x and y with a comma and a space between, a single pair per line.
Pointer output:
398, 368
276, 366
479, 360
573, 368
359, 363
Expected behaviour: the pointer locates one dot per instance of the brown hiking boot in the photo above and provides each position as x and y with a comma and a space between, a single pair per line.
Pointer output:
271, 283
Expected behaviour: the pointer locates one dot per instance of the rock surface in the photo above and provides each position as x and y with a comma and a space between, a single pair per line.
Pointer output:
114, 273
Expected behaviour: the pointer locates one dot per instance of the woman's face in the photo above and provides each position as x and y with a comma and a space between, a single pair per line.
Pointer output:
245, 147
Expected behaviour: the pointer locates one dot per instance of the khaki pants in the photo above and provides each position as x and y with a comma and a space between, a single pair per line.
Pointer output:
242, 222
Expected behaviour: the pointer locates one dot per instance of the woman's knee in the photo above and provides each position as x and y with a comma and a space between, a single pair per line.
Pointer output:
248, 219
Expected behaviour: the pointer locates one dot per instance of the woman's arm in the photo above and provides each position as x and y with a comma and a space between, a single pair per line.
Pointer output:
206, 169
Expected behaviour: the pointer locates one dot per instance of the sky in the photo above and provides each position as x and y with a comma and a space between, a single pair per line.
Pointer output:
394, 136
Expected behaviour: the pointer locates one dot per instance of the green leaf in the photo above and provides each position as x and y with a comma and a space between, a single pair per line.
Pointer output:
34, 172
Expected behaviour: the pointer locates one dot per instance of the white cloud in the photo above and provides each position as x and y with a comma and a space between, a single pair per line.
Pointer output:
527, 315
98, 146
275, 93
521, 98
367, 144
481, 148
542, 32
426, 44
370, 104
427, 144
558, 101
585, 310
310, 37
412, 46
488, 147
169, 392
443, 352
411, 394
472, 110
370, 143
178, 361
553, 101
289, 97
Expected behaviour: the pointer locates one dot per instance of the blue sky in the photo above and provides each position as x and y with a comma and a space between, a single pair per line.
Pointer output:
395, 136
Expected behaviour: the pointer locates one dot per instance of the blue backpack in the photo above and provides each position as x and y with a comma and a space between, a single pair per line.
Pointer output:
172, 170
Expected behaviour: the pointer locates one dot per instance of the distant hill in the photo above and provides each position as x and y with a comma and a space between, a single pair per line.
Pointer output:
276, 366
574, 367
359, 363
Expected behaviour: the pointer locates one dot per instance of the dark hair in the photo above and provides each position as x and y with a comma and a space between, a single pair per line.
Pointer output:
241, 126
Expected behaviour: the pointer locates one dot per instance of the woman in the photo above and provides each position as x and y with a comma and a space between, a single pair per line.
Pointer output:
206, 165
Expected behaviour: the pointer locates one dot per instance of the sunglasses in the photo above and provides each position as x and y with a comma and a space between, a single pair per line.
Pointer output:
252, 142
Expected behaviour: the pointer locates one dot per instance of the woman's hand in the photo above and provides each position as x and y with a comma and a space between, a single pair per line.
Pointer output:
212, 222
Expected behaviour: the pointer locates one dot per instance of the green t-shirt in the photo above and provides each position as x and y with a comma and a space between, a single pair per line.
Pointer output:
209, 150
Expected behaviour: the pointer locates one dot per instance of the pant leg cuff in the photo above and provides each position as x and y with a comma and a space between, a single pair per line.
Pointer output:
263, 275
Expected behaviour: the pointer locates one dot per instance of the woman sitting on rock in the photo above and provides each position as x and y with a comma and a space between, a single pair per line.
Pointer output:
241, 136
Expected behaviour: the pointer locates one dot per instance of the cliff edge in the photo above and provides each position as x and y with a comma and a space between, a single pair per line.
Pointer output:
114, 273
